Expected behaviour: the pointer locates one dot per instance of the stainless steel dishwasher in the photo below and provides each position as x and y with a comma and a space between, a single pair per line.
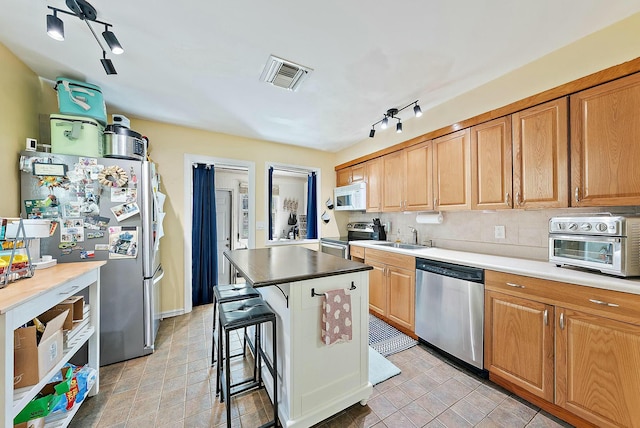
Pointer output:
450, 309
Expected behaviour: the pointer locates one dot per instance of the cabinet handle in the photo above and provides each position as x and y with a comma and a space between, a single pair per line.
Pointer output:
71, 290
511, 284
545, 317
577, 194
435, 202
506, 199
600, 302
518, 200
562, 321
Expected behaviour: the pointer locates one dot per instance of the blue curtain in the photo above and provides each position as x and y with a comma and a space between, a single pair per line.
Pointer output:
312, 207
270, 212
204, 270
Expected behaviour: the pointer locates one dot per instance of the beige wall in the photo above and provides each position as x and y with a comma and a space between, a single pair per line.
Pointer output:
613, 45
19, 103
169, 144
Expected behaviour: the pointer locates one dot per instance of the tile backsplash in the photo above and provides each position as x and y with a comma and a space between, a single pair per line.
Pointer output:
525, 231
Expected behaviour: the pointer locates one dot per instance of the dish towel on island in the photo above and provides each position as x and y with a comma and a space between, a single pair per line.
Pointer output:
336, 317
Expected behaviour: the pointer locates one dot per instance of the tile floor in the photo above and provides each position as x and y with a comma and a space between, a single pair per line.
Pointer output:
174, 387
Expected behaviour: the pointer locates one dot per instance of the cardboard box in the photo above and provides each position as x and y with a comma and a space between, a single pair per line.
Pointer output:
34, 423
75, 306
33, 360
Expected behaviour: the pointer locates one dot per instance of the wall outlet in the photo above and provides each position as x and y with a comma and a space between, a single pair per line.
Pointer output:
499, 232
259, 225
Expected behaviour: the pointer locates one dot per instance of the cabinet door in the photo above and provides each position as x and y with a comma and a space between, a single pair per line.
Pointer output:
358, 173
519, 342
343, 177
393, 182
402, 295
418, 189
491, 165
598, 368
451, 171
605, 130
540, 156
374, 185
377, 288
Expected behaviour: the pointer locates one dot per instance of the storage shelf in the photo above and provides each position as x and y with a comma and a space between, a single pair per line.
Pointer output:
22, 396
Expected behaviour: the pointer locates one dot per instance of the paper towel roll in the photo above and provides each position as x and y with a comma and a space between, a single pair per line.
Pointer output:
429, 218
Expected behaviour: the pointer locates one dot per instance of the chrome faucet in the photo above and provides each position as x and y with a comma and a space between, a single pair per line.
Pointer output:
415, 235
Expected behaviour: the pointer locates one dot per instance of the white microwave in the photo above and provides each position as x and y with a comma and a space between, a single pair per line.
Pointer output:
351, 198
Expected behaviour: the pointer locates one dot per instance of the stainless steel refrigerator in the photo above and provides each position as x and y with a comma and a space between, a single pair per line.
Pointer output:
104, 209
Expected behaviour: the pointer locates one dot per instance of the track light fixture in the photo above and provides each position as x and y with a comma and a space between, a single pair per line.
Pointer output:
391, 113
84, 11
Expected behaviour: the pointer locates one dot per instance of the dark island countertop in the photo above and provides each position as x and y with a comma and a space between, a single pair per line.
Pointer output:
278, 265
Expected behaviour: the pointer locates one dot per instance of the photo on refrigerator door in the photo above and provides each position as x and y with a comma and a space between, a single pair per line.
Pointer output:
123, 242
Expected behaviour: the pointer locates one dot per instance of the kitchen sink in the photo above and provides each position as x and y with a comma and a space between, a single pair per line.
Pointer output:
401, 246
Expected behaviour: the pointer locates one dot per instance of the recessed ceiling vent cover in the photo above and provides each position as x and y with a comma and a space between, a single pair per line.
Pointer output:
284, 74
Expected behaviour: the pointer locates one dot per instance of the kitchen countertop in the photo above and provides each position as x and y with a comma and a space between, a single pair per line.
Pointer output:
271, 266
525, 267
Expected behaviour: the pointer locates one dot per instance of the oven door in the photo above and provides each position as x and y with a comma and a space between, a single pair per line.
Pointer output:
594, 252
338, 250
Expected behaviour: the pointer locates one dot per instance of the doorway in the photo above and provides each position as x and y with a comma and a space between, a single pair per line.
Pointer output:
225, 226
235, 214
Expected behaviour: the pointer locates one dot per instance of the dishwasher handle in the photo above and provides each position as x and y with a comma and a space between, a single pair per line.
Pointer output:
465, 273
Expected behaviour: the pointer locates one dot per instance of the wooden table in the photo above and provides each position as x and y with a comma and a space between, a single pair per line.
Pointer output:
315, 381
25, 299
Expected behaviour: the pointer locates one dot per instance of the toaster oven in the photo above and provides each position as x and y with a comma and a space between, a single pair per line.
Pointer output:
605, 242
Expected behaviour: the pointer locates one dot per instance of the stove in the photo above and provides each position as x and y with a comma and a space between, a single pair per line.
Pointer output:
340, 246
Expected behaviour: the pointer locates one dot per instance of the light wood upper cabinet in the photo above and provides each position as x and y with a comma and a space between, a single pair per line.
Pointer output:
524, 325
491, 165
407, 182
393, 182
374, 180
418, 188
350, 175
452, 171
605, 148
540, 156
597, 368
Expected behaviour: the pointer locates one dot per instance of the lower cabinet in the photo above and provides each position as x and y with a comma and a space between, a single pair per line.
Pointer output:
572, 350
392, 288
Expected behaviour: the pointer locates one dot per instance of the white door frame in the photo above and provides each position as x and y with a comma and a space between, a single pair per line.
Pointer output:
189, 161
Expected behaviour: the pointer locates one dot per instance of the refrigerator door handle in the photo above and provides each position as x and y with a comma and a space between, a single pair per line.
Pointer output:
149, 307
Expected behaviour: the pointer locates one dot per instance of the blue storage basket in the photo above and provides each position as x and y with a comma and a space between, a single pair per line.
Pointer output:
80, 99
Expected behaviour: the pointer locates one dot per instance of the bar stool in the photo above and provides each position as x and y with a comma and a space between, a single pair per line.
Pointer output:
225, 294
242, 314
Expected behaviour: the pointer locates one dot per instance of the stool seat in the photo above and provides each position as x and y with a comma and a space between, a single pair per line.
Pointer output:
231, 292
253, 311
246, 312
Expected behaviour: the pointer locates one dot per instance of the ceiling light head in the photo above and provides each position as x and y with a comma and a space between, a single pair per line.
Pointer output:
385, 122
372, 133
55, 27
417, 111
107, 64
399, 127
112, 41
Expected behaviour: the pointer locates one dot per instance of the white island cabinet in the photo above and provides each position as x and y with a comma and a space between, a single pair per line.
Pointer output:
23, 300
315, 381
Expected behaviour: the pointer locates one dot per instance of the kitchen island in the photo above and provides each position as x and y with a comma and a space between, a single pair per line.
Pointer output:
315, 381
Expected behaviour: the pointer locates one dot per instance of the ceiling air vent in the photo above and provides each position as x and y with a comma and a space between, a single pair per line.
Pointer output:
284, 74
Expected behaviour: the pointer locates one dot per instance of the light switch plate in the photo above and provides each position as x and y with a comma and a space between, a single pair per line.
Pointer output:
260, 225
499, 232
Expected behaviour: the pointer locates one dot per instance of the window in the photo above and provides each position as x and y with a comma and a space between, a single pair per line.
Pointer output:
292, 198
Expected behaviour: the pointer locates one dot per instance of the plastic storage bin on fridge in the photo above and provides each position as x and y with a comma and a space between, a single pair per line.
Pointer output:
76, 135
81, 99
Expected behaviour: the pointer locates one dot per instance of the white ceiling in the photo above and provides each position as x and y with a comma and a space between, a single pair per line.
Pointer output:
198, 63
